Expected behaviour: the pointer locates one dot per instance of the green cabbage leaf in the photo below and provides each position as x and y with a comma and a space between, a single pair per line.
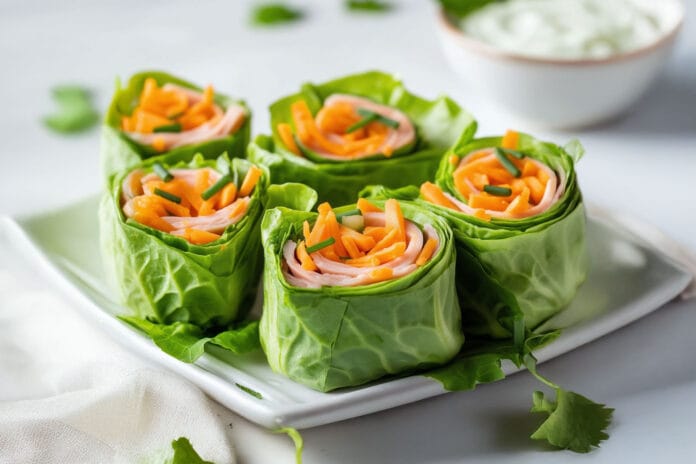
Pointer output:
119, 152
439, 123
336, 337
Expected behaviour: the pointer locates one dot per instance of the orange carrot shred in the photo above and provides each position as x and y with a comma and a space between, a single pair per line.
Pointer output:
510, 140
366, 207
434, 194
305, 259
285, 132
250, 181
427, 251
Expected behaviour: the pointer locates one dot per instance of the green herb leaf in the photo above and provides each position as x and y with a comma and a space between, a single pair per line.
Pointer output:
176, 127
362, 123
368, 5
514, 153
507, 164
497, 190
296, 439
465, 373
250, 391
461, 8
75, 111
162, 172
184, 453
321, 245
216, 187
383, 119
187, 342
274, 13
168, 196
575, 422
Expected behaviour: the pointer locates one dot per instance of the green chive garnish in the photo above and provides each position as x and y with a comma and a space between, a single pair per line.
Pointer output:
176, 127
507, 164
162, 172
216, 187
497, 191
383, 119
362, 123
514, 153
352, 212
167, 195
321, 245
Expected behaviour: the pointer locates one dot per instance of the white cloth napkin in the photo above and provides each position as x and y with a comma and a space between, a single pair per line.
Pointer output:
70, 395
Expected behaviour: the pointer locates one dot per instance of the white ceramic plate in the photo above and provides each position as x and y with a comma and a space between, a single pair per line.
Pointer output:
627, 281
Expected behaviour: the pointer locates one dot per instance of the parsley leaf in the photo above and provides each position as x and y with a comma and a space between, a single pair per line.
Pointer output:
575, 422
274, 13
368, 5
184, 453
75, 111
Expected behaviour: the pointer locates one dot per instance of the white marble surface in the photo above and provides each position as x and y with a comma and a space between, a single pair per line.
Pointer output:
644, 164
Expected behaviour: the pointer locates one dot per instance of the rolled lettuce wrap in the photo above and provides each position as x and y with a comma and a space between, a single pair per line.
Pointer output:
361, 129
516, 210
357, 293
157, 113
181, 243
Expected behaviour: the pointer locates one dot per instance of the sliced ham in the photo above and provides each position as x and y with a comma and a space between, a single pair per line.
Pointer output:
395, 139
552, 193
337, 274
221, 125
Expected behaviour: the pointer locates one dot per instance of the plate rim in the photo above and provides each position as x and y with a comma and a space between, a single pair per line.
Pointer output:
334, 408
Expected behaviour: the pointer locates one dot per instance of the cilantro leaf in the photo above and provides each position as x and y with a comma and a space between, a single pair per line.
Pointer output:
274, 13
296, 439
187, 342
184, 453
368, 5
467, 372
75, 111
575, 422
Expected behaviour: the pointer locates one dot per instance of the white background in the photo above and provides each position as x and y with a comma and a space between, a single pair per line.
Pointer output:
643, 164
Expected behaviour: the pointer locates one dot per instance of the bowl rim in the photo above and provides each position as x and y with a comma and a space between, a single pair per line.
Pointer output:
491, 51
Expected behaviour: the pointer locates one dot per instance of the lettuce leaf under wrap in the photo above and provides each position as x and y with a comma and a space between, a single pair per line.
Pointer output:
119, 152
439, 123
165, 279
511, 270
336, 337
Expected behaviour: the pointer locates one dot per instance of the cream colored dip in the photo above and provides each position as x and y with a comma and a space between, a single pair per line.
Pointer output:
567, 29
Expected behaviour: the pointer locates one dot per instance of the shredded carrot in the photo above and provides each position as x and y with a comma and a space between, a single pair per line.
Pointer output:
453, 160
227, 195
366, 207
200, 237
156, 203
250, 180
306, 260
285, 132
511, 140
426, 252
159, 144
481, 214
433, 194
357, 249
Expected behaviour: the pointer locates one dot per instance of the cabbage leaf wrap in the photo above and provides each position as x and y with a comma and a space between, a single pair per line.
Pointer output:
166, 279
119, 152
334, 337
439, 123
513, 274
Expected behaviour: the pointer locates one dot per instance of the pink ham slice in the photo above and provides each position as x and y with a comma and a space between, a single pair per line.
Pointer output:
336, 274
396, 138
216, 222
552, 193
223, 124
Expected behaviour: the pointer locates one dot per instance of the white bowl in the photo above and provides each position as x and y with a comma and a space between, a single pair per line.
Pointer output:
559, 93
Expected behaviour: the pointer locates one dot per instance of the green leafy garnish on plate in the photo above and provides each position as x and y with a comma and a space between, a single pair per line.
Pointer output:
75, 111
575, 422
368, 5
187, 342
269, 14
184, 453
296, 439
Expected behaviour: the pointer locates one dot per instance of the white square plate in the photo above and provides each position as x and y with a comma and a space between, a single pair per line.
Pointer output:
627, 280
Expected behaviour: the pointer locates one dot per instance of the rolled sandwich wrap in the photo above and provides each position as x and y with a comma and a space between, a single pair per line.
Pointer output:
360, 129
157, 114
518, 219
182, 243
357, 293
